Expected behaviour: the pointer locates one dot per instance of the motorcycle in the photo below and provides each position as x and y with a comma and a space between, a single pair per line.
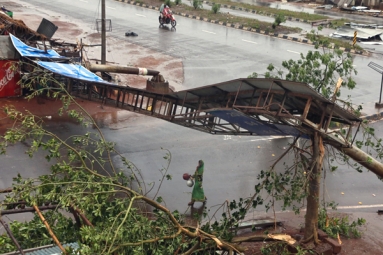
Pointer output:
167, 18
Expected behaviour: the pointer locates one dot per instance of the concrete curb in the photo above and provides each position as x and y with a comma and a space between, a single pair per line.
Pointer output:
280, 36
255, 12
376, 116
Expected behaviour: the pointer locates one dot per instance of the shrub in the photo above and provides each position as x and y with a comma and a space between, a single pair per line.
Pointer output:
215, 8
279, 18
177, 2
168, 3
197, 4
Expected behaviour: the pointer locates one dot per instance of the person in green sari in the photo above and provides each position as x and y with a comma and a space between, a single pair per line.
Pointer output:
198, 194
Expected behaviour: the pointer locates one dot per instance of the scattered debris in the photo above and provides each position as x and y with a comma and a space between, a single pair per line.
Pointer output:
129, 33
259, 223
326, 6
7, 12
283, 237
364, 32
47, 28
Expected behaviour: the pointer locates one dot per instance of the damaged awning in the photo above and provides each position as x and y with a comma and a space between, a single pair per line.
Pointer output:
27, 51
362, 33
77, 72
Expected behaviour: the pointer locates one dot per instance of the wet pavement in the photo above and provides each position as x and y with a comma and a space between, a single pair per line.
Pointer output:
230, 161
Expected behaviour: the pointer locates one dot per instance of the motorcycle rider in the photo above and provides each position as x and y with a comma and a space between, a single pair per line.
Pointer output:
164, 10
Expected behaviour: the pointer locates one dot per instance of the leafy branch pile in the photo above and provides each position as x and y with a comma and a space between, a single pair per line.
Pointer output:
123, 219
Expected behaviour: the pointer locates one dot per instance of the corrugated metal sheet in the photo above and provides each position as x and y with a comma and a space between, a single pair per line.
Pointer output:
55, 250
256, 127
45, 250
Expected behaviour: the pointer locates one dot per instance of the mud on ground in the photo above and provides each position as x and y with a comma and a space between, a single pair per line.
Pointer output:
119, 52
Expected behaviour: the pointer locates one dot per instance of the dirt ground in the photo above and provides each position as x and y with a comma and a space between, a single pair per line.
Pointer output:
124, 53
119, 52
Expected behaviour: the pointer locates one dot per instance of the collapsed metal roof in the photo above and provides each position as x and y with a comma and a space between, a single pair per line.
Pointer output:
362, 33
247, 106
248, 92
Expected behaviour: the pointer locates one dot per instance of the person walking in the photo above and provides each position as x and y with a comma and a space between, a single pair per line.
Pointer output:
198, 195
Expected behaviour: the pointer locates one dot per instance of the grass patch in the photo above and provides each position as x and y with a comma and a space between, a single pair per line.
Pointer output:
269, 10
338, 23
341, 43
228, 18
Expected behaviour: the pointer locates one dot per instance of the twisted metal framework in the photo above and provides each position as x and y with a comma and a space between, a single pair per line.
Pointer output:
237, 107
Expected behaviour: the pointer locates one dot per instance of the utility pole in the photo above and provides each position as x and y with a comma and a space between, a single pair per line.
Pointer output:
103, 34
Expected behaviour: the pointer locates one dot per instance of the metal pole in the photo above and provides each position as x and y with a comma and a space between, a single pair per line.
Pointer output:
12, 236
380, 95
103, 34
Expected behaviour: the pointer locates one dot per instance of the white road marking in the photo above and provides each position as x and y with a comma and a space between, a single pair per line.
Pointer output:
293, 52
271, 138
140, 15
84, 1
249, 41
341, 208
111, 8
358, 206
208, 32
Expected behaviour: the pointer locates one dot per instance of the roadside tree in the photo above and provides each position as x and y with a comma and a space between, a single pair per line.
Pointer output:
320, 68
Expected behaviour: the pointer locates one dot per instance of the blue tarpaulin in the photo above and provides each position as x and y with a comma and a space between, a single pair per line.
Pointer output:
257, 127
71, 71
28, 51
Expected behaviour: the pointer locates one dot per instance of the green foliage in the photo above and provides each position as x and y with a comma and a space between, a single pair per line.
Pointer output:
338, 23
168, 3
177, 2
319, 69
115, 200
197, 4
279, 18
34, 233
341, 225
282, 248
215, 8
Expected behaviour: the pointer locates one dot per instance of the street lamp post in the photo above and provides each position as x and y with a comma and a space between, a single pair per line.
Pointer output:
103, 34
379, 69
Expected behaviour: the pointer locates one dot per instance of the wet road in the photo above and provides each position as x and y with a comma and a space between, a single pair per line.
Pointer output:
211, 54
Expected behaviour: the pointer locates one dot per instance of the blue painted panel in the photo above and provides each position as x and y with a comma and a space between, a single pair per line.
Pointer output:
27, 51
253, 125
72, 71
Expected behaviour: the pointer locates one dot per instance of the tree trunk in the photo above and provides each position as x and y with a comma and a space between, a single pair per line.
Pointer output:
314, 175
363, 159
